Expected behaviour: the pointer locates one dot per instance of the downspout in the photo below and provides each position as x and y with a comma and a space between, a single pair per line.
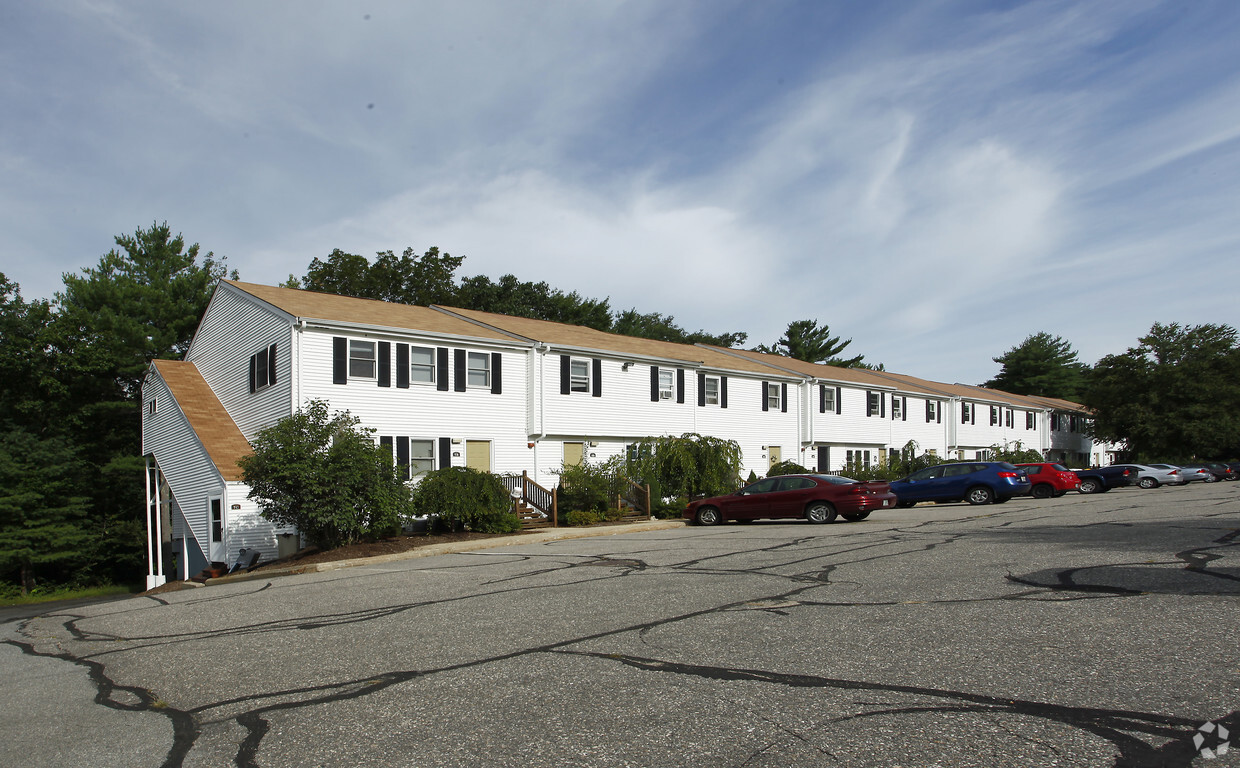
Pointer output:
299, 328
953, 426
540, 355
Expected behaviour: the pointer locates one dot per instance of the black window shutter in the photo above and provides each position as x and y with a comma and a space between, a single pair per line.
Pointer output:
497, 373
385, 363
271, 364
596, 380
564, 375
939, 413
458, 369
441, 369
445, 452
839, 402
723, 391
882, 405
340, 360
927, 411
402, 366
680, 385
701, 390
765, 407
253, 373
904, 409
386, 444
654, 383
973, 414
402, 457
869, 403
822, 398
783, 397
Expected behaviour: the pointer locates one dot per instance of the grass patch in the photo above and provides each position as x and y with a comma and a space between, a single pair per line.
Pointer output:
67, 593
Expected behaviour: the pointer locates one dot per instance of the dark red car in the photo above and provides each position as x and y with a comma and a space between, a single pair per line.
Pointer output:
1050, 479
817, 498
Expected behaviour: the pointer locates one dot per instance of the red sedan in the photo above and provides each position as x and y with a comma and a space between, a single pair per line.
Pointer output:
817, 498
1050, 479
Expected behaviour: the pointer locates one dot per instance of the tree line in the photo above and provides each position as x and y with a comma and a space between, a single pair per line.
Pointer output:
71, 506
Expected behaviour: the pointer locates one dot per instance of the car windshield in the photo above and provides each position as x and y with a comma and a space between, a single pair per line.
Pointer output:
1059, 467
1005, 465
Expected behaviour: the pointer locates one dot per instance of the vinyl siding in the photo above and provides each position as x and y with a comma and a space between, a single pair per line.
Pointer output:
235, 327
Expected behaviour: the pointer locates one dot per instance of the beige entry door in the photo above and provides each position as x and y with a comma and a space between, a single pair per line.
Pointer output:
478, 455
776, 455
573, 454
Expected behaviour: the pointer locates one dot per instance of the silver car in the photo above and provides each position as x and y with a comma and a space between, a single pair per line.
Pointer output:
1183, 476
1154, 475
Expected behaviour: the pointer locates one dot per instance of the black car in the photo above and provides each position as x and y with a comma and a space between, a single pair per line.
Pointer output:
1218, 471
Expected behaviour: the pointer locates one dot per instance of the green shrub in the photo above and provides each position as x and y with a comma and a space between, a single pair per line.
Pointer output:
591, 486
577, 517
325, 475
456, 498
787, 468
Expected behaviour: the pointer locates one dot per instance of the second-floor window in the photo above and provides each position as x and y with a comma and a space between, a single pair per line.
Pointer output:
1029, 420
966, 412
932, 410
362, 363
422, 365
667, 384
579, 375
710, 385
896, 405
772, 396
478, 373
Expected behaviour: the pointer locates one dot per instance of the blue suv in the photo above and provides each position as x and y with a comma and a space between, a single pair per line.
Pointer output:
977, 482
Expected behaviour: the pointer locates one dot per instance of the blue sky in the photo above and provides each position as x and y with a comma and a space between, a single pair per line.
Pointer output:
935, 180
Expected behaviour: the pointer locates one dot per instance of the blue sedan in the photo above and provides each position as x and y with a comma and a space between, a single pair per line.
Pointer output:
977, 482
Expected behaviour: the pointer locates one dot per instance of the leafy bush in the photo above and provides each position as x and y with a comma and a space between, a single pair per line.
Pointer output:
325, 475
902, 464
455, 498
591, 486
1015, 454
691, 465
579, 518
787, 468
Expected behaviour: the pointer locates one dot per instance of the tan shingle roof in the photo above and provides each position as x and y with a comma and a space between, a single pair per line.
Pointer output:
328, 306
215, 429
581, 337
860, 376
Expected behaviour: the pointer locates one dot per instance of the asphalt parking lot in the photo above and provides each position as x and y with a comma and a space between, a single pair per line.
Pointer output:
1080, 631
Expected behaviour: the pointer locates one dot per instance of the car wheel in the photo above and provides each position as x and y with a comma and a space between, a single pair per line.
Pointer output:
906, 504
1211, 478
820, 512
1090, 485
980, 495
709, 516
855, 516
1043, 491
1147, 482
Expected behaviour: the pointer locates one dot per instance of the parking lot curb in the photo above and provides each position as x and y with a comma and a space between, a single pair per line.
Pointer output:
456, 547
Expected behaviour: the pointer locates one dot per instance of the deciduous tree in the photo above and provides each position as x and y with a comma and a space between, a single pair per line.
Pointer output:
1176, 395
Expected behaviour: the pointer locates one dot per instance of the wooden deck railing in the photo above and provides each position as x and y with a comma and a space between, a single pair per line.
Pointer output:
528, 494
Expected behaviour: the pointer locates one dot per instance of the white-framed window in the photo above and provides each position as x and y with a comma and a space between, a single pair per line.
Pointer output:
578, 375
667, 384
983, 455
422, 365
896, 404
478, 370
875, 404
772, 396
1030, 420
932, 410
966, 412
710, 386
826, 397
152, 407
421, 456
362, 362
863, 457
1008, 418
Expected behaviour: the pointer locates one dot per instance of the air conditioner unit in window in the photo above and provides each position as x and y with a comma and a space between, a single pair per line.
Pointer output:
665, 395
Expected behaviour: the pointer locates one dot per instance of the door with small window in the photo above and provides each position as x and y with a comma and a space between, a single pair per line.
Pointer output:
573, 454
215, 529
